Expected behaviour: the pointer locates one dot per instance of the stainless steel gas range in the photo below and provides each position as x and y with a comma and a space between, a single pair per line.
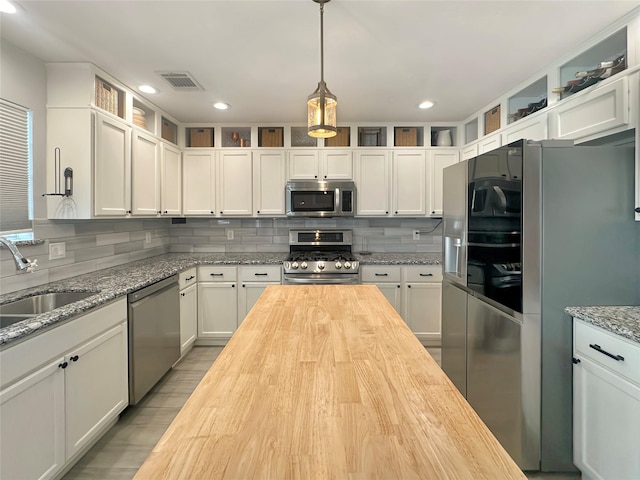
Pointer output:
320, 257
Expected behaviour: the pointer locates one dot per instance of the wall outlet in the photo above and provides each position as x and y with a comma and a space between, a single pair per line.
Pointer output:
147, 237
416, 234
229, 234
57, 250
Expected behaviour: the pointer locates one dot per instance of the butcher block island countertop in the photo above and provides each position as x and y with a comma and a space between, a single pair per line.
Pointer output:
326, 382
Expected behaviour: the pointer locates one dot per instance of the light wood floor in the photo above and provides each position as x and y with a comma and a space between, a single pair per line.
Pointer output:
119, 454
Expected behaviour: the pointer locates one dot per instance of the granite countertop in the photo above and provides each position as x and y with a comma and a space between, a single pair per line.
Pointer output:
399, 258
111, 283
623, 321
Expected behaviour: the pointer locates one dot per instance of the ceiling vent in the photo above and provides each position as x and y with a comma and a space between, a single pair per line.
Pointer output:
181, 81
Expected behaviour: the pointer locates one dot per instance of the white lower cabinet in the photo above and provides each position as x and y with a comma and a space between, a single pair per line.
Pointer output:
387, 278
188, 285
32, 435
415, 292
606, 404
422, 300
96, 390
60, 391
253, 281
217, 304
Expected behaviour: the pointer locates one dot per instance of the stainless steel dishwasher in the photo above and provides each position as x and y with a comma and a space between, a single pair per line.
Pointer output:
154, 335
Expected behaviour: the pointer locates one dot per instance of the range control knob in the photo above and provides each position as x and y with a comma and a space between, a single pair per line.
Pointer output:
354, 265
294, 265
338, 265
347, 265
303, 265
287, 265
320, 265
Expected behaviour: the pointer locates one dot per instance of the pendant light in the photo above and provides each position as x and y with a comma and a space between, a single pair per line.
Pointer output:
321, 104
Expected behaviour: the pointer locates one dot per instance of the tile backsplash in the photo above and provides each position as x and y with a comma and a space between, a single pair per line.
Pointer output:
92, 245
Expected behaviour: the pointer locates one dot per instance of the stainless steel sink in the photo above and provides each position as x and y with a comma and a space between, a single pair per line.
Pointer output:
42, 303
6, 320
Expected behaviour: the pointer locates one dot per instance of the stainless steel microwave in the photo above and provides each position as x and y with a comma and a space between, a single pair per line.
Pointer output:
320, 199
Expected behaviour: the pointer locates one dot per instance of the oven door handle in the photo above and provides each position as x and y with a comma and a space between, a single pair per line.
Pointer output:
323, 281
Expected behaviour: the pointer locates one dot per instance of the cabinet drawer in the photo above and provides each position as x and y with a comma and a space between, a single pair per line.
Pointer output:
592, 342
217, 274
264, 273
187, 278
380, 274
423, 274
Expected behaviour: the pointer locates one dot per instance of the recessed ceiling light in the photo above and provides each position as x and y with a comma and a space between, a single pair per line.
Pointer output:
147, 89
221, 106
7, 7
426, 104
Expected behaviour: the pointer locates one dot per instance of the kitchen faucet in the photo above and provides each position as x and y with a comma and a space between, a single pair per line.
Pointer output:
23, 265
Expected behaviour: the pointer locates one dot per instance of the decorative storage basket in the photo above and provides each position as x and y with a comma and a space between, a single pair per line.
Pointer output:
169, 131
406, 137
106, 96
340, 140
492, 120
201, 137
271, 137
138, 117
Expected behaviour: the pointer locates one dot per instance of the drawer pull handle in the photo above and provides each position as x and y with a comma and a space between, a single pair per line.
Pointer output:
426, 274
189, 278
217, 274
382, 274
617, 358
261, 274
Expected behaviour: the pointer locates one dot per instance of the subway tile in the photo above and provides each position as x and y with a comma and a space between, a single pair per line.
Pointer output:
273, 248
228, 222
251, 239
23, 280
193, 240
156, 223
128, 247
112, 238
151, 252
207, 232
241, 248
128, 225
95, 252
80, 242
94, 227
183, 249
66, 271
44, 262
398, 232
288, 223
112, 261
54, 230
257, 223
208, 248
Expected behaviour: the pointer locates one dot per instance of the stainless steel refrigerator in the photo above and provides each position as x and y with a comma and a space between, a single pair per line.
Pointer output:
529, 229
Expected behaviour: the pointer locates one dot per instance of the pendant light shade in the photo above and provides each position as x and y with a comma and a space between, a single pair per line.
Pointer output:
321, 104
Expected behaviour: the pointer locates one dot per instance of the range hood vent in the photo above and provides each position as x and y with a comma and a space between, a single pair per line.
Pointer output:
182, 81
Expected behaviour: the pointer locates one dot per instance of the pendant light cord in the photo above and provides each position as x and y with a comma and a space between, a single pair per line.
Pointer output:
321, 42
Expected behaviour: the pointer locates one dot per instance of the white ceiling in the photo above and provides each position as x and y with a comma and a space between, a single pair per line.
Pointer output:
382, 58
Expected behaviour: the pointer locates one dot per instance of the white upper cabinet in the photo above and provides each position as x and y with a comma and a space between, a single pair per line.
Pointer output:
145, 174
235, 186
303, 165
171, 187
199, 180
336, 165
438, 161
324, 165
531, 129
269, 180
112, 167
373, 171
599, 110
489, 143
409, 183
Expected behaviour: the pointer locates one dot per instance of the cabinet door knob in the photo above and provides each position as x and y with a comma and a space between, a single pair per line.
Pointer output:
386, 213
212, 212
315, 176
396, 212
74, 358
243, 285
398, 286
63, 365
166, 211
637, 210
233, 285
182, 294
575, 361
408, 286
258, 211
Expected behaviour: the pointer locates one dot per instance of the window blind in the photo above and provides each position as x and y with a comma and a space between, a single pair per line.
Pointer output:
15, 141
